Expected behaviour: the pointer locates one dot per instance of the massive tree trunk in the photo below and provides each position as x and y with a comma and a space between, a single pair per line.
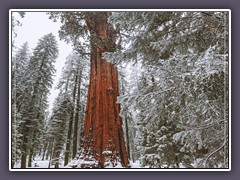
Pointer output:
103, 133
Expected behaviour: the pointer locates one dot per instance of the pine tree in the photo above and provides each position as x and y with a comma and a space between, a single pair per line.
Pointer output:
58, 126
184, 55
19, 68
39, 80
73, 75
127, 111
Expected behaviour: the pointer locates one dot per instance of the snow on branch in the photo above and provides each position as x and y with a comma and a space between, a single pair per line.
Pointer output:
201, 126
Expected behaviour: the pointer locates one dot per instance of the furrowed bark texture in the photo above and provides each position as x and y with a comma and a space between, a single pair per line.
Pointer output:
103, 133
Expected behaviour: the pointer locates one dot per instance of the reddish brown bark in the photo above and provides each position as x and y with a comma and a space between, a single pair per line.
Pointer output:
103, 126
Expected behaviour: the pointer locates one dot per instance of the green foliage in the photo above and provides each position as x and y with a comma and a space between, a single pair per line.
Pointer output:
73, 29
181, 97
58, 125
32, 80
151, 36
176, 103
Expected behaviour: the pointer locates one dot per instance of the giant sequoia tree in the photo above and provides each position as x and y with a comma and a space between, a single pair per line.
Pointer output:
174, 102
103, 135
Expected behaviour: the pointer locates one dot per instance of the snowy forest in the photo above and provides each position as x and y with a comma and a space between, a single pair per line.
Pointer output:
139, 89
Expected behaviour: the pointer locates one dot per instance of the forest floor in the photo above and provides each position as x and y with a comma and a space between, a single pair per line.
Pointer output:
39, 163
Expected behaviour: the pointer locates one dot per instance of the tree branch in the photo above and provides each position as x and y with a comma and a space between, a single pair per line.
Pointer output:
216, 150
120, 40
201, 126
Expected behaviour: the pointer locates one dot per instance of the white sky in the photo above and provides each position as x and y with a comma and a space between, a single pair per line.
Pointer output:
34, 26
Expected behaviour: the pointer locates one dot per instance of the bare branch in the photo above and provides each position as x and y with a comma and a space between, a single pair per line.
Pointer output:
216, 150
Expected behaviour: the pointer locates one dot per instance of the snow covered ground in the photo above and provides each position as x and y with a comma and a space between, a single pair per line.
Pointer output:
135, 164
39, 163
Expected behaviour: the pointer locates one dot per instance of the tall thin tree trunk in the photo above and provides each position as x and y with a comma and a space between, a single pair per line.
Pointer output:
31, 152
57, 160
127, 135
49, 150
30, 157
70, 126
40, 151
75, 133
126, 123
25, 145
103, 133
12, 163
44, 150
14, 137
51, 147
24, 153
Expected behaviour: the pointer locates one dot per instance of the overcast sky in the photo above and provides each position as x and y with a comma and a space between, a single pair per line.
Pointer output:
34, 26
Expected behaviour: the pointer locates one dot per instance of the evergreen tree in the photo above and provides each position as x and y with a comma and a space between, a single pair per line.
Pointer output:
58, 126
72, 83
184, 55
19, 69
39, 80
